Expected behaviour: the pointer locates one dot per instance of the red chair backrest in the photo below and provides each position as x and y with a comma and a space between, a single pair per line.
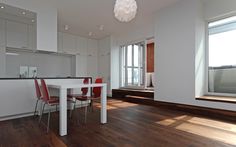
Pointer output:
97, 90
85, 90
37, 88
45, 92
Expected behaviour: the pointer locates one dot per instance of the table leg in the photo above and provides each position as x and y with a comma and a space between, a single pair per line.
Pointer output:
63, 112
104, 105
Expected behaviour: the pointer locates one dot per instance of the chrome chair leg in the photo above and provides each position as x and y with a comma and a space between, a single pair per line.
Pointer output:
71, 111
49, 114
36, 107
42, 113
85, 114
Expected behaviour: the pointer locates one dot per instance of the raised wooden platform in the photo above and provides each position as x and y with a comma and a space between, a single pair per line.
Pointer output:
143, 94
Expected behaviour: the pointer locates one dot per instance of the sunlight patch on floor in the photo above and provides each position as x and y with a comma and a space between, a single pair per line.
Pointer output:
216, 130
219, 135
112, 106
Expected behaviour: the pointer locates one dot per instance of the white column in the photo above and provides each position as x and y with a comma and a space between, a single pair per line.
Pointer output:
63, 112
104, 104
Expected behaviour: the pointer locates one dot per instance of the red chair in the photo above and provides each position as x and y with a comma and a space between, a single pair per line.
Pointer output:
48, 100
38, 94
96, 94
84, 93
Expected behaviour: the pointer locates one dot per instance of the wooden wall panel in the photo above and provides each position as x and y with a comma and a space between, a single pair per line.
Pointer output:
150, 57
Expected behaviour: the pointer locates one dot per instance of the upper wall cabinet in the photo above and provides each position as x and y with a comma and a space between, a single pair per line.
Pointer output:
92, 47
17, 35
20, 35
82, 45
2, 32
67, 43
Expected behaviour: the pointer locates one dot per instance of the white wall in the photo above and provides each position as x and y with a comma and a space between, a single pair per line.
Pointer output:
178, 39
46, 21
115, 64
174, 55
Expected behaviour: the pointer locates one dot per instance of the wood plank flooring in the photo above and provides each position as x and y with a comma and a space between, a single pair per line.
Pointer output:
129, 125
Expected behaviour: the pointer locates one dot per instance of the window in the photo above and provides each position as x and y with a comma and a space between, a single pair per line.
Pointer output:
132, 65
222, 56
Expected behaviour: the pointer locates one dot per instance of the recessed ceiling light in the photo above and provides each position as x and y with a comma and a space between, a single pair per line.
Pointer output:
23, 12
32, 20
90, 33
66, 27
101, 27
2, 7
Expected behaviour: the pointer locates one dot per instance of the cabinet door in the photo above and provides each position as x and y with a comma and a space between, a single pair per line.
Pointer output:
32, 37
82, 45
17, 35
59, 42
69, 43
81, 66
2, 33
92, 68
92, 47
2, 61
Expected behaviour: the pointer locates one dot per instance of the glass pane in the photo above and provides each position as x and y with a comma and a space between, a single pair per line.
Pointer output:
136, 76
129, 74
222, 49
124, 56
222, 61
123, 76
129, 55
136, 55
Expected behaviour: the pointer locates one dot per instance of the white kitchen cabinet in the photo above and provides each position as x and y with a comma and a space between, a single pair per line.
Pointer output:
104, 46
17, 35
81, 66
82, 45
2, 32
32, 37
92, 66
59, 42
92, 47
2, 49
69, 43
2, 61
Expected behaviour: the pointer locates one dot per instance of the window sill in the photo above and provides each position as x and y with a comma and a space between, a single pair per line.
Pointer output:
217, 99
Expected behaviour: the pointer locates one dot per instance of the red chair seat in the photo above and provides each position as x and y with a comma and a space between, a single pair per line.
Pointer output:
53, 100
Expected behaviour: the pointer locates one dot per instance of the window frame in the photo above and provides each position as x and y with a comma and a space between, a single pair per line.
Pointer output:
206, 88
142, 65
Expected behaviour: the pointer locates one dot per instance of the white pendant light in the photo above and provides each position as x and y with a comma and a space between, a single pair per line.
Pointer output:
125, 10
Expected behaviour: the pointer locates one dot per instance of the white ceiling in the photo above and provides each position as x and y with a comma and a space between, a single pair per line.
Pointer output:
84, 16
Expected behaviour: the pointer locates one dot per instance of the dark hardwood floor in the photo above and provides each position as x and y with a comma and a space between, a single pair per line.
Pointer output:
129, 125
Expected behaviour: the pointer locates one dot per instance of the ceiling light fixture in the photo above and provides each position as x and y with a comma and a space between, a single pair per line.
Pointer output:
90, 33
2, 7
32, 20
66, 27
101, 27
23, 12
125, 10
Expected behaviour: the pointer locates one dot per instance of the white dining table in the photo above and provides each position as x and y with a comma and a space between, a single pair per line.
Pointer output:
63, 87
